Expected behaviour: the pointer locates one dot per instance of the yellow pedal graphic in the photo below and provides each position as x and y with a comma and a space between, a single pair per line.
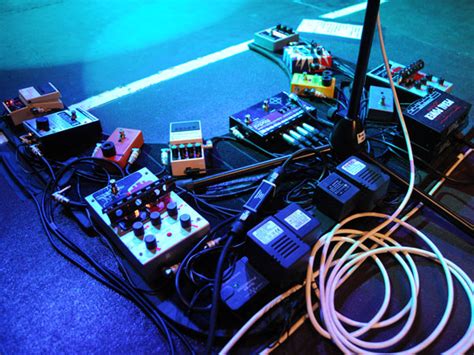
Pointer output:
307, 85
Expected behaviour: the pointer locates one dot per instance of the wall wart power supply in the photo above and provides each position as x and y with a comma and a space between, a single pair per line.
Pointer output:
277, 247
244, 290
336, 196
372, 182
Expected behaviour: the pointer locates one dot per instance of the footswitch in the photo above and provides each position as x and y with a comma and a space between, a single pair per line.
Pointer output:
411, 83
151, 225
65, 132
119, 145
307, 85
33, 101
275, 38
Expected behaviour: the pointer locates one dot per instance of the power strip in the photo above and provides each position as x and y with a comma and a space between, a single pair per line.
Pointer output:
151, 225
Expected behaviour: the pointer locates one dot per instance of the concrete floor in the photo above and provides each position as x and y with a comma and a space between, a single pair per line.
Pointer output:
86, 47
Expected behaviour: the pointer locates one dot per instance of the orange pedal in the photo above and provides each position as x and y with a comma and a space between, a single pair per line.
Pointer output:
118, 146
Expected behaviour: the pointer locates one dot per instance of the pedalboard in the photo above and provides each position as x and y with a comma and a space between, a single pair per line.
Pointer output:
265, 122
149, 223
120, 145
311, 58
65, 132
275, 38
33, 101
314, 85
186, 148
432, 120
411, 83
280, 244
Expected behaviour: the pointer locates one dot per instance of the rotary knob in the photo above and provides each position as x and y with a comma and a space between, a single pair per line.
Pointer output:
172, 208
138, 229
108, 149
155, 218
42, 124
185, 220
150, 242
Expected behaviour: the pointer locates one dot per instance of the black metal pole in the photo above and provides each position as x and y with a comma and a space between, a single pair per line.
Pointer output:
348, 135
370, 22
248, 169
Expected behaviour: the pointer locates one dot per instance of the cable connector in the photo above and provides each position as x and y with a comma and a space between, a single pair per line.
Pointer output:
208, 145
165, 152
313, 130
300, 138
134, 156
307, 135
169, 272
60, 198
236, 133
36, 150
213, 243
293, 97
96, 149
290, 140
27, 138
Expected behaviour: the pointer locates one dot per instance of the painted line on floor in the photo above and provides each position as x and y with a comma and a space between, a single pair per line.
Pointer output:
161, 76
173, 72
348, 10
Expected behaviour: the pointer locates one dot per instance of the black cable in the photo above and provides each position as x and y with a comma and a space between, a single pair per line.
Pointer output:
319, 120
425, 164
216, 294
105, 276
274, 58
185, 260
49, 167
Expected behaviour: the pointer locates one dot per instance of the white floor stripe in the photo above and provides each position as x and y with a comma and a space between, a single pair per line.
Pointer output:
187, 67
347, 10
159, 77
